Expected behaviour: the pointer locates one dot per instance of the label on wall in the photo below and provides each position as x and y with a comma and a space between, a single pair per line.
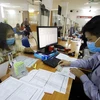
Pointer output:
84, 16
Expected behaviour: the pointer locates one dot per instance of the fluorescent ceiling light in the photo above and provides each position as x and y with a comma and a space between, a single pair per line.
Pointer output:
16, 6
31, 10
2, 12
91, 10
36, 0
93, 3
11, 11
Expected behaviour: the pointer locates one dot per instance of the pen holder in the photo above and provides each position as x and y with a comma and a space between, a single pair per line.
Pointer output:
18, 70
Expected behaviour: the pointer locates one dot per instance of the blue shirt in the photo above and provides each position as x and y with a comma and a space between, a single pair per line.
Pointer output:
91, 83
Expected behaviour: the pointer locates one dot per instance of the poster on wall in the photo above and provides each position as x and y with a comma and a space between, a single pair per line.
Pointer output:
82, 20
84, 16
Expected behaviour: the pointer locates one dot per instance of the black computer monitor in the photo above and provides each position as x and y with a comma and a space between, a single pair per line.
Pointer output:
47, 36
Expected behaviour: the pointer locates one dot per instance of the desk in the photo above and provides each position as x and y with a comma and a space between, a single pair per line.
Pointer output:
56, 96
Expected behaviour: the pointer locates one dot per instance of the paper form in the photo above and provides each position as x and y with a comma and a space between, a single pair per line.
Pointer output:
8, 87
13, 89
28, 62
58, 83
48, 80
65, 57
66, 72
41, 78
30, 75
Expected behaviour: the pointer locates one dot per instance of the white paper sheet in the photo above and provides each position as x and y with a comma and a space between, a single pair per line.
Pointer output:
65, 57
66, 72
27, 60
58, 82
48, 80
13, 89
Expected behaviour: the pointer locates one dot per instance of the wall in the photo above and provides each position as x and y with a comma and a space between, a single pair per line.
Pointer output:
1, 14
13, 16
34, 17
81, 21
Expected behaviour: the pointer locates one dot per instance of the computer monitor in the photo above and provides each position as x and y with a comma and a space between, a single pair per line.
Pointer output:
47, 36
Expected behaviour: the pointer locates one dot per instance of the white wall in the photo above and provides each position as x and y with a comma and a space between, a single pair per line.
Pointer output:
1, 14
13, 16
81, 21
48, 4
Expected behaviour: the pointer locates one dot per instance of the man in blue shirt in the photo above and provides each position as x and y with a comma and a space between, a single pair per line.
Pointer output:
91, 82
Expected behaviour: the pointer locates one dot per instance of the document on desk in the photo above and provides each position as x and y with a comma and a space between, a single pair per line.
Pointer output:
65, 57
27, 60
48, 80
13, 89
57, 83
66, 72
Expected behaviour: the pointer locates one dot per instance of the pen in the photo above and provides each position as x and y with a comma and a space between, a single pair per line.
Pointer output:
10, 57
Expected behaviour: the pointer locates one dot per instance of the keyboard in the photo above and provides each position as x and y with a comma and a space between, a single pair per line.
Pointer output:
59, 46
52, 62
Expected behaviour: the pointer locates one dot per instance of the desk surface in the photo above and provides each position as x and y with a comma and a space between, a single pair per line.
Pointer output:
57, 96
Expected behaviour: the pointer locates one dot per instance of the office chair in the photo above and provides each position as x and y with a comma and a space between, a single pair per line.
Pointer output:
25, 42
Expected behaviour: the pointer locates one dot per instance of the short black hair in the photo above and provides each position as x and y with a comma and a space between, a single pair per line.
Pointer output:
4, 28
93, 26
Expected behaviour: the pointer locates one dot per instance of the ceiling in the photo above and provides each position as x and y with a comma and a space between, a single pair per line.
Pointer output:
72, 4
19, 4
77, 4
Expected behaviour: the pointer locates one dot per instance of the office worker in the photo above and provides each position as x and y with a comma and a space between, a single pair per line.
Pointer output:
91, 82
8, 43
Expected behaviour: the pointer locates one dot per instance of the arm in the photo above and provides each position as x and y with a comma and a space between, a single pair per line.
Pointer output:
87, 64
90, 89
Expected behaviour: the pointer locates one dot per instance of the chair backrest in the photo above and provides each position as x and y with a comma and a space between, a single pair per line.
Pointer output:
14, 29
25, 42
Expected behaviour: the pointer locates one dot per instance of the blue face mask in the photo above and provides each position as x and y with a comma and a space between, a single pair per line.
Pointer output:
10, 41
92, 47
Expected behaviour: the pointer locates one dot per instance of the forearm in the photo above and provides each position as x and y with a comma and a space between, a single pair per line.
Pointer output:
90, 89
81, 64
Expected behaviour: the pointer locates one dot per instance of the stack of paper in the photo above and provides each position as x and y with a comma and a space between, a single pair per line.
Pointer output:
48, 80
28, 62
65, 57
13, 89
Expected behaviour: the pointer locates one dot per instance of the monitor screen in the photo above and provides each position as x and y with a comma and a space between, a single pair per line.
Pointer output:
47, 35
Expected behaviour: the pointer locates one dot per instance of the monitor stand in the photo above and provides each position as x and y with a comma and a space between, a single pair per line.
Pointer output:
45, 51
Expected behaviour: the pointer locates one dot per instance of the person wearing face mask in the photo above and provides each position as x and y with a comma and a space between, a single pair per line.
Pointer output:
8, 43
89, 86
